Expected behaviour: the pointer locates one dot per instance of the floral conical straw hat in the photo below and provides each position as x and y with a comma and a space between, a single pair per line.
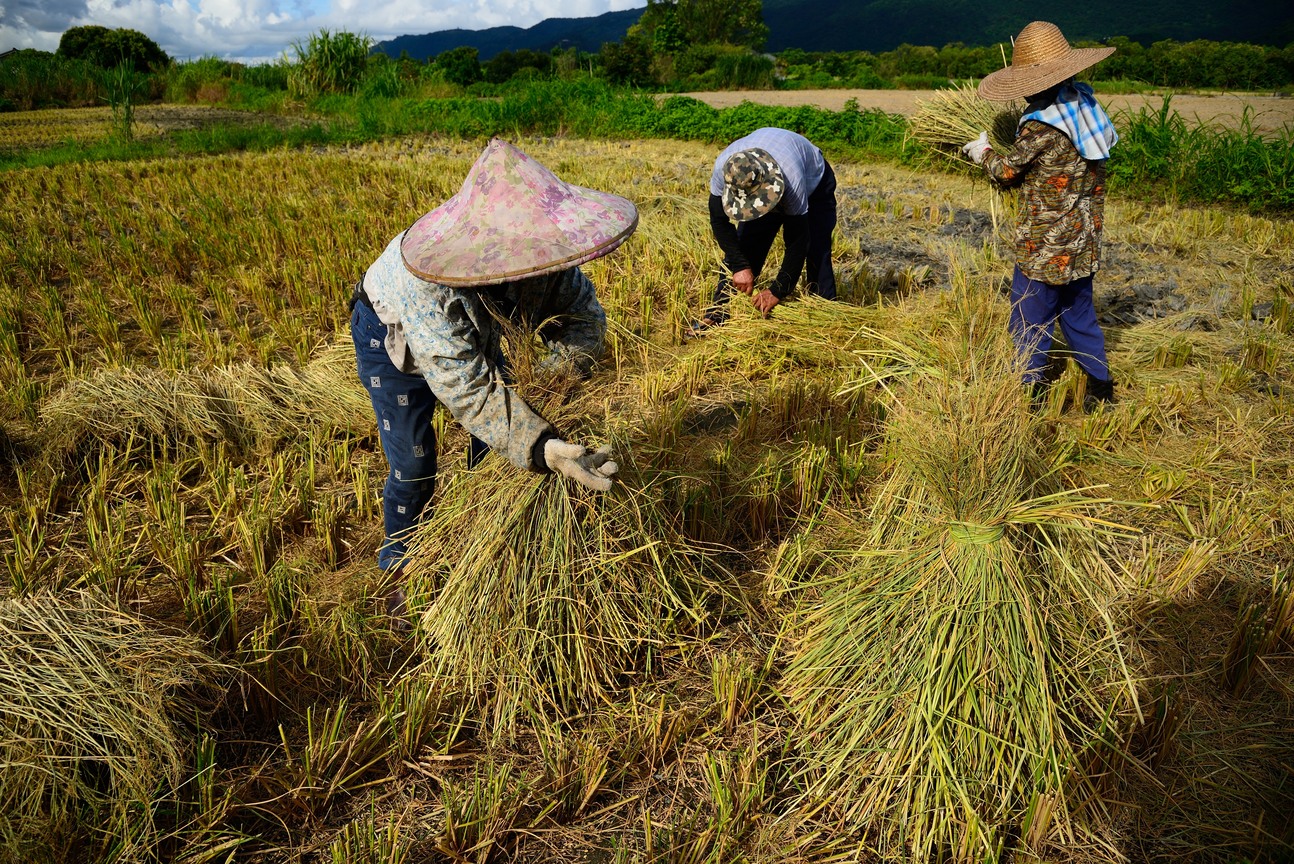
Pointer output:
514, 218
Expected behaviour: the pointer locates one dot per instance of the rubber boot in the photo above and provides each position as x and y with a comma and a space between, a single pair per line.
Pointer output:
397, 607
1099, 394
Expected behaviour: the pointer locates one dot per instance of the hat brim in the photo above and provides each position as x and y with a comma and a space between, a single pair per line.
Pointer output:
512, 219
1018, 82
732, 206
463, 257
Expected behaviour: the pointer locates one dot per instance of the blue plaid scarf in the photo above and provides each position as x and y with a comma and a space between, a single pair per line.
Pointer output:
1077, 113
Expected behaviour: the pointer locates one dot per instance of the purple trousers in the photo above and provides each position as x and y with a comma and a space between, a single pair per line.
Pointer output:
1035, 309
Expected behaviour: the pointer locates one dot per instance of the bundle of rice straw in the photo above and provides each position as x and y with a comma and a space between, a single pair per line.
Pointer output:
544, 595
949, 677
810, 334
950, 118
244, 405
88, 699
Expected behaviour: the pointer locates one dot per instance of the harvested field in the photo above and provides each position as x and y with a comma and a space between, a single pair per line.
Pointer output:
1270, 113
182, 434
33, 129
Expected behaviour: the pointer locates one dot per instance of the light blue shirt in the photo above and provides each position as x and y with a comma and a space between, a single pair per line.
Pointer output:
801, 163
450, 336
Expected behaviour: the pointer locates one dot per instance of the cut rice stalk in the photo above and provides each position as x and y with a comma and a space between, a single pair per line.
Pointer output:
950, 118
89, 696
546, 595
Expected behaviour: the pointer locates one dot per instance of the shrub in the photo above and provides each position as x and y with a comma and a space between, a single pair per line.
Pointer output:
461, 66
37, 79
743, 71
329, 63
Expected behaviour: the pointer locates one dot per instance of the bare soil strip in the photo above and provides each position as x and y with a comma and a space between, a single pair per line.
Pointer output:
1270, 113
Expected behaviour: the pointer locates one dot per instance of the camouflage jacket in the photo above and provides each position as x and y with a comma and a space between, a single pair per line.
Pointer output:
453, 338
1062, 204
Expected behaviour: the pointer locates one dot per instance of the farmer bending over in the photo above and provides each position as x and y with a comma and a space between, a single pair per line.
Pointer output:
771, 180
1058, 161
428, 317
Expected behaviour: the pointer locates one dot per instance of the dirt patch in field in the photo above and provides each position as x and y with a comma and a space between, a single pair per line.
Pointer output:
172, 118
1270, 113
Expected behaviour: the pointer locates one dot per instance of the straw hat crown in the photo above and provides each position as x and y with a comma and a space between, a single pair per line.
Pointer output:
1041, 58
511, 219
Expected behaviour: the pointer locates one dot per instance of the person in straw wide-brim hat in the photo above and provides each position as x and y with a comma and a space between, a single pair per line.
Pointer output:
1058, 161
772, 180
428, 317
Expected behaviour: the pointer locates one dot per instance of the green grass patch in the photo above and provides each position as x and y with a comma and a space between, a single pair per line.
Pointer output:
1160, 154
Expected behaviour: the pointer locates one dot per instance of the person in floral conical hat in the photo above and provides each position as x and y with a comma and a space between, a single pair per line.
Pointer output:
1058, 161
428, 318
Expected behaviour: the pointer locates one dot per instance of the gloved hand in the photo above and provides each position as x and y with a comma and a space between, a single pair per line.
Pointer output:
592, 469
977, 148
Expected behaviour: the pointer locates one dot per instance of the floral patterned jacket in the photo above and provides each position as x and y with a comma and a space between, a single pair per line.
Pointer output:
1062, 204
453, 338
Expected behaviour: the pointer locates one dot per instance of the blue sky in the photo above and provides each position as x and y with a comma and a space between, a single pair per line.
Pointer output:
258, 30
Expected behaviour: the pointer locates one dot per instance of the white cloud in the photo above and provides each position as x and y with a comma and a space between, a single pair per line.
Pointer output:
256, 30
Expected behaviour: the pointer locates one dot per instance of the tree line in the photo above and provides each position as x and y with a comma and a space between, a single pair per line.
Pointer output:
676, 45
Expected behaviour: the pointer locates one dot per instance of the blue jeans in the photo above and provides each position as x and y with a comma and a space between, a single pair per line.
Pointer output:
1035, 309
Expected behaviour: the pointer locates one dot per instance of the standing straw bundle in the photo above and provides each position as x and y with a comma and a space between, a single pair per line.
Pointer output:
950, 678
546, 594
88, 699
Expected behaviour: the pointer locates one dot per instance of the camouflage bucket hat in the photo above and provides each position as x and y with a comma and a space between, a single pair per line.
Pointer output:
752, 184
513, 218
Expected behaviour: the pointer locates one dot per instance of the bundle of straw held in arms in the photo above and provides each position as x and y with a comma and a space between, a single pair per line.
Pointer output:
953, 676
950, 118
538, 594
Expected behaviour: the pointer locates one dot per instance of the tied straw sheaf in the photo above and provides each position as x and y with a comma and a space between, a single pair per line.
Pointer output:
950, 118
541, 595
957, 675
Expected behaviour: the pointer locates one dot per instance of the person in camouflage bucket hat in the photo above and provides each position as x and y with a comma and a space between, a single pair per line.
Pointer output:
772, 180
428, 320
752, 184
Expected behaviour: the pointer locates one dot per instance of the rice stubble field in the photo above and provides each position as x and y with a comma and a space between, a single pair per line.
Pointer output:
851, 599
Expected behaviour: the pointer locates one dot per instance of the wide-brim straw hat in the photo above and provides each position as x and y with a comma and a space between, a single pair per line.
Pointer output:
1040, 59
511, 219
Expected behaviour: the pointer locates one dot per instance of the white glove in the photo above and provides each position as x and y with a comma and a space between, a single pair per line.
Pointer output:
977, 148
591, 469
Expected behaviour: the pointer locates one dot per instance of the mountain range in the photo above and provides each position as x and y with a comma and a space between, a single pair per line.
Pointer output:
881, 25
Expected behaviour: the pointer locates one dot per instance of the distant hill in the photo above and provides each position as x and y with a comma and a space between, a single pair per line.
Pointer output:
587, 34
881, 25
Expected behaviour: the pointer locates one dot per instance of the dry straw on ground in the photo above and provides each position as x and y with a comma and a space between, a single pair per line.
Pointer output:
90, 699
243, 405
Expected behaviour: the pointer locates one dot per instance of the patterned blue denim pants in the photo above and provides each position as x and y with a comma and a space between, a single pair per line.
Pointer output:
403, 405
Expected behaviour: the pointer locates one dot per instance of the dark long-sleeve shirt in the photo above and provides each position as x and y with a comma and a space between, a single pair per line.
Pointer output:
795, 236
